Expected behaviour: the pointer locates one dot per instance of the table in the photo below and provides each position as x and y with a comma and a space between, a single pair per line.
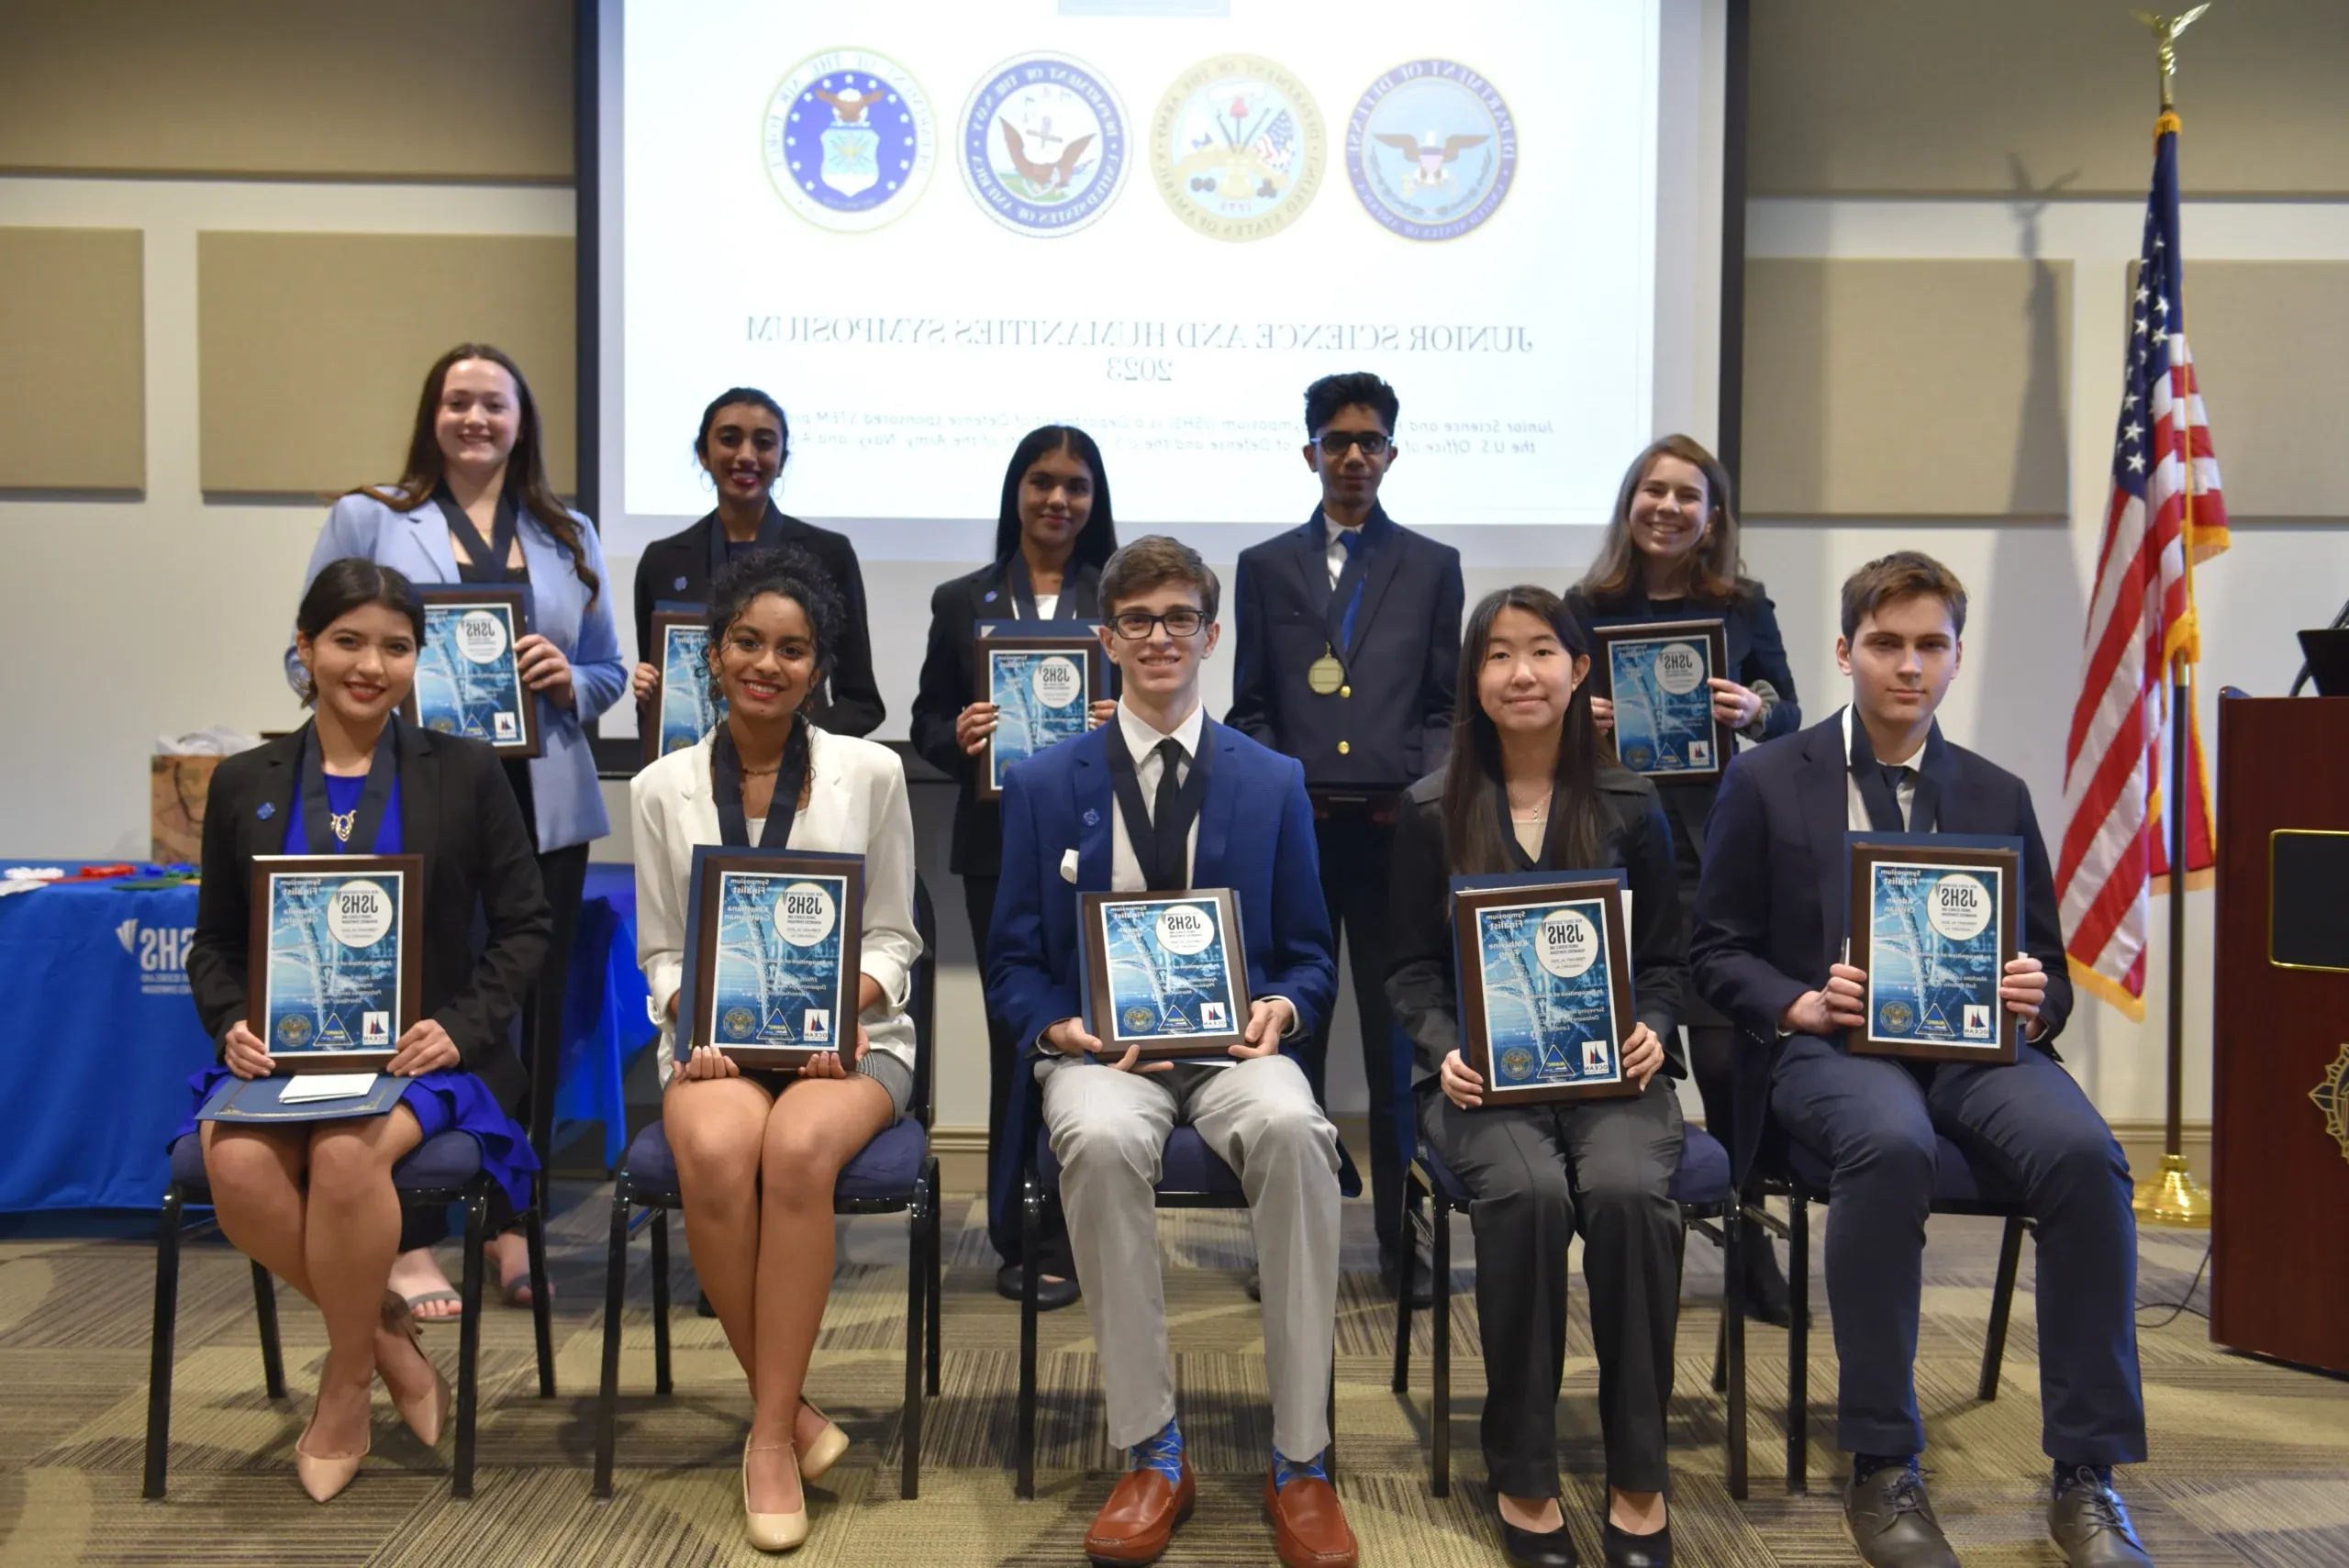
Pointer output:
108, 1035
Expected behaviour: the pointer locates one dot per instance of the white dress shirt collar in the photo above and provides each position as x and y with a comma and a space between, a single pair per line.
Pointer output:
1855, 808
1142, 739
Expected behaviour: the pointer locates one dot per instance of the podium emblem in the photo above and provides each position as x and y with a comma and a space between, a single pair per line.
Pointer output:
2331, 1096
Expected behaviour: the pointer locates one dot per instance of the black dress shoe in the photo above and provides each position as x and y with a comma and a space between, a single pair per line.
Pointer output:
1255, 1285
1536, 1549
1052, 1294
1891, 1520
1766, 1298
1422, 1272
1624, 1550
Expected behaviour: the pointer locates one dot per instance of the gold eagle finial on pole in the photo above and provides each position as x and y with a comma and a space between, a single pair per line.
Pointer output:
2165, 30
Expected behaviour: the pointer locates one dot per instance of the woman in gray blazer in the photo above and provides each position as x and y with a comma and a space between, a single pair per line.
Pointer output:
473, 505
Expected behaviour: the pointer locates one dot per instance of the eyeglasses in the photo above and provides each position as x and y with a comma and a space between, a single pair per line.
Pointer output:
1135, 624
1333, 443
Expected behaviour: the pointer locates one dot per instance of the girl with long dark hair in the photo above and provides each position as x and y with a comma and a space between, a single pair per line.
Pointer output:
1528, 787
758, 1153
474, 504
313, 1201
1670, 552
1053, 530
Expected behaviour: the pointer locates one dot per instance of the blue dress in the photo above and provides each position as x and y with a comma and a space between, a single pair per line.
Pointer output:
448, 1099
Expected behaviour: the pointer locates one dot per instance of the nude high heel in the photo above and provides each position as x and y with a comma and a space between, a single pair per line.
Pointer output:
426, 1414
825, 1451
324, 1478
771, 1532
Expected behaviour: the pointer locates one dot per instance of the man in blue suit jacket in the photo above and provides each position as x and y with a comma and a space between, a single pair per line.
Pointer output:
1159, 798
1771, 918
1349, 647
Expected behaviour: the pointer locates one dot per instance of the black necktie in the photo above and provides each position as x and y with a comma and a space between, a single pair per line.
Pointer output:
1167, 827
1880, 793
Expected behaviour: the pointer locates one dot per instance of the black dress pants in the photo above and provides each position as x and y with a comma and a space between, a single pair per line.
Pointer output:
1007, 1076
1537, 1173
2032, 1130
1356, 854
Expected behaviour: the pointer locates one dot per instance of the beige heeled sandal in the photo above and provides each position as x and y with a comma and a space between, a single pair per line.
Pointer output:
427, 1414
825, 1451
324, 1478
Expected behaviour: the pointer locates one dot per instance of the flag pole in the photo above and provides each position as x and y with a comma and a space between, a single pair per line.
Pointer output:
2172, 1197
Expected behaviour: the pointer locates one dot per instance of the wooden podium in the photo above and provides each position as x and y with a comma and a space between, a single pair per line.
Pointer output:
2280, 1180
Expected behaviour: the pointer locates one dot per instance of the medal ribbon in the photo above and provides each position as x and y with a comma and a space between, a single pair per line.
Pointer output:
1160, 847
489, 556
726, 784
318, 817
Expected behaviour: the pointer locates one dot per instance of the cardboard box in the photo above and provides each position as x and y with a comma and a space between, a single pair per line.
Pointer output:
176, 790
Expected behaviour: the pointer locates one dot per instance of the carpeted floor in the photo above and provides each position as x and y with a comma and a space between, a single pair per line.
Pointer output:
2251, 1462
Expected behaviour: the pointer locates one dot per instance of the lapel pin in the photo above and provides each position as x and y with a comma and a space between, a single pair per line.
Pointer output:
266, 812
1092, 817
681, 583
990, 598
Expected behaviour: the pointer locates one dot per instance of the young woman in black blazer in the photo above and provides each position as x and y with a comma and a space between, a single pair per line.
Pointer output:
313, 1203
743, 443
1671, 553
1527, 787
1053, 531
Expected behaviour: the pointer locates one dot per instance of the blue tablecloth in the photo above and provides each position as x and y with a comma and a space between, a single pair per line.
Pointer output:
106, 1034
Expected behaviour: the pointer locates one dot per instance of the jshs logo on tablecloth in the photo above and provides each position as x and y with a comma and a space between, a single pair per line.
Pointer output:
161, 953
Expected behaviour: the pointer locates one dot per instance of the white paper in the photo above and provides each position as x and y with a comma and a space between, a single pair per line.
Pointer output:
326, 1086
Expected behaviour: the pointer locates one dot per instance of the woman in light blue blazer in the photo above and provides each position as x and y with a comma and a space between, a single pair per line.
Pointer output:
473, 505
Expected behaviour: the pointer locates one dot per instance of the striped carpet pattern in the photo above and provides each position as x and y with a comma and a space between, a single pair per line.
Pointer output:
2251, 1462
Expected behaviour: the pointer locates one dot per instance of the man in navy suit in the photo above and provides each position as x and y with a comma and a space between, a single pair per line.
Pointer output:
1771, 918
1349, 646
1161, 799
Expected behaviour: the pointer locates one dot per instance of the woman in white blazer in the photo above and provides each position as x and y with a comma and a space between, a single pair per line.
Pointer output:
758, 1153
474, 504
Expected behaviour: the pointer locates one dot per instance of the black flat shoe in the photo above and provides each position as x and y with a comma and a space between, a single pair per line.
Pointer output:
1623, 1550
1052, 1294
1536, 1549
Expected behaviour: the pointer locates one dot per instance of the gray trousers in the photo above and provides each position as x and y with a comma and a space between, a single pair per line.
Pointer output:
1109, 1131
1534, 1170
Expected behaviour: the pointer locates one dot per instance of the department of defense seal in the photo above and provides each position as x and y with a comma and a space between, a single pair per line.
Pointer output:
294, 1031
848, 139
1238, 147
736, 1023
1516, 1064
1897, 1017
1431, 149
1138, 1019
1044, 145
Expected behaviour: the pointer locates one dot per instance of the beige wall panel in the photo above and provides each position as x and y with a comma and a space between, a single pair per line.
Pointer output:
2269, 339
312, 347
422, 89
1861, 97
74, 338
1899, 389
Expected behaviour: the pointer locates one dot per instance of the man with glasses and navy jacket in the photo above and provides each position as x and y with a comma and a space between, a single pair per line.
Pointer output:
1348, 633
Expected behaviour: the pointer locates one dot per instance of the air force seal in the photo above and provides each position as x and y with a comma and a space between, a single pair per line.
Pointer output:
1044, 147
848, 139
1238, 147
1431, 149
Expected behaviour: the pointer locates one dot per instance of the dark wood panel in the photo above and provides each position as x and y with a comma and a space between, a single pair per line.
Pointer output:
2279, 1184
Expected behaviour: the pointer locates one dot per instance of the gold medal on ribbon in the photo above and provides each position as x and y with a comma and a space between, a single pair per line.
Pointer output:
1325, 674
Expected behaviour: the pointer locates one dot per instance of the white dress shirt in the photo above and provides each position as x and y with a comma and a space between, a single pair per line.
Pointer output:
1141, 741
1855, 808
1045, 605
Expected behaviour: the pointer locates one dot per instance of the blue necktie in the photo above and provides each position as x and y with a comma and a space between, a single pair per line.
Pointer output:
1349, 540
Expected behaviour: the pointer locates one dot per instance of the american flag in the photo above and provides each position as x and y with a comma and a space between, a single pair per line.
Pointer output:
2165, 514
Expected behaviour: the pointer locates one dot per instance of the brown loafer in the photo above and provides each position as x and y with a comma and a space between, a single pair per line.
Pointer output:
1134, 1526
1308, 1527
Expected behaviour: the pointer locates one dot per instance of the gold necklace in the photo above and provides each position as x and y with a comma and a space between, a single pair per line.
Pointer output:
343, 822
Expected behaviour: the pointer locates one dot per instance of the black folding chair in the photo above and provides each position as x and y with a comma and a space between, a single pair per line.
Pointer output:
1702, 1188
443, 1170
894, 1174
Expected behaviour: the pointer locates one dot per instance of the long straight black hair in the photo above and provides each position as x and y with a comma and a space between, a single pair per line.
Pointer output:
1472, 829
1097, 540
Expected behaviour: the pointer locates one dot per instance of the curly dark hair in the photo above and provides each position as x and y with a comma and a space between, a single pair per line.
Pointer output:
795, 575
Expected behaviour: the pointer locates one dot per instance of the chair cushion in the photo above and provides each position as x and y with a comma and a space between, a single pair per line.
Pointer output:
1956, 1179
1703, 1176
883, 1171
444, 1160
